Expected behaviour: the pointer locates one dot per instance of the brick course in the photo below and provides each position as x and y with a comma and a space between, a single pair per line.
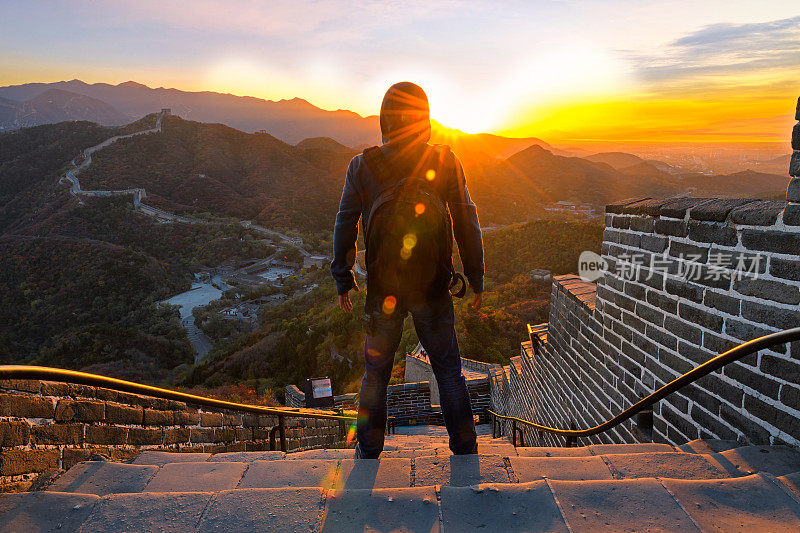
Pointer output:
45, 425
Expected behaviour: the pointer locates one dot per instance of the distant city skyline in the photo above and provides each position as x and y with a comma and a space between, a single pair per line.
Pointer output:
615, 70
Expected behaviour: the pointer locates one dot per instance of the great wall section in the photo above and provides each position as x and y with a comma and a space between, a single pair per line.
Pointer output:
140, 194
685, 279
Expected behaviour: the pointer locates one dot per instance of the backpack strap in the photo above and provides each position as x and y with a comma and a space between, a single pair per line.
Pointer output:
377, 164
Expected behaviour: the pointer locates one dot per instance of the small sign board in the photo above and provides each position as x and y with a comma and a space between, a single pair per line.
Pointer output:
319, 392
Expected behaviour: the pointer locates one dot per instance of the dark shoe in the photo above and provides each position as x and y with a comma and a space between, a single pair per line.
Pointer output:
360, 455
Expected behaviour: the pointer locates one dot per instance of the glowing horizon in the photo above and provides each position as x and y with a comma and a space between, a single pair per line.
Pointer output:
591, 71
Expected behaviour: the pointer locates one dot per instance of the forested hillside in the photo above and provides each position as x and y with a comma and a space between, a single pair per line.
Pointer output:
83, 292
195, 167
79, 283
32, 160
299, 336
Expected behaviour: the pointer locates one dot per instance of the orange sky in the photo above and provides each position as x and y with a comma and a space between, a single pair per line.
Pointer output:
695, 118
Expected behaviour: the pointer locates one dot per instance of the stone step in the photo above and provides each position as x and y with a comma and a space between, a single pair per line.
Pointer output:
246, 457
620, 505
564, 468
44, 511
642, 447
196, 477
758, 502
408, 509
426, 467
101, 478
708, 446
676, 465
161, 458
323, 454
104, 477
528, 507
284, 509
176, 512
543, 451
373, 473
593, 449
460, 470
777, 460
620, 466
300, 473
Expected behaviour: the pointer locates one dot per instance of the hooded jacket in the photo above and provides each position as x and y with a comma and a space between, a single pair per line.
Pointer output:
405, 127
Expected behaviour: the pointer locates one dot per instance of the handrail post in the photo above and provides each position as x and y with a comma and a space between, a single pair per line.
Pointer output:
571, 439
272, 438
342, 426
494, 425
282, 430
514, 432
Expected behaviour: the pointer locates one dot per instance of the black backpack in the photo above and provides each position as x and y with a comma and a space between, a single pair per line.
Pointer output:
409, 238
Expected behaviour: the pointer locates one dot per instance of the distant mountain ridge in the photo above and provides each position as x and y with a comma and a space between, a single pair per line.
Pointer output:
529, 183
57, 105
290, 120
618, 160
196, 167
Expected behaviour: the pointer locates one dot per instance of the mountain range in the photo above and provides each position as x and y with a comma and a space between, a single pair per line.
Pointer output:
291, 121
281, 162
57, 105
194, 167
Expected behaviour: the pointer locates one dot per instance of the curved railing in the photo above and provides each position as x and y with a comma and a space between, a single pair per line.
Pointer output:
734, 354
120, 385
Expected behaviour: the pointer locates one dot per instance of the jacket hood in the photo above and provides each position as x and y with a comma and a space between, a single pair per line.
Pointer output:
405, 114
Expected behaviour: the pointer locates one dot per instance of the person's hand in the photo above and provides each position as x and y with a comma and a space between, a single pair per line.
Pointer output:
476, 303
344, 300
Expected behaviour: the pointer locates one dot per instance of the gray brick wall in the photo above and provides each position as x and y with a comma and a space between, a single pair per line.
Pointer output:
688, 278
793, 191
46, 425
716, 272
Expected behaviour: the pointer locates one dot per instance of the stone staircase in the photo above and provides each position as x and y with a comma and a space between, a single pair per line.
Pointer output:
418, 485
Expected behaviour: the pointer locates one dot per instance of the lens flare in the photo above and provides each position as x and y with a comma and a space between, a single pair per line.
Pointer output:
430, 175
389, 303
419, 208
410, 240
351, 434
405, 254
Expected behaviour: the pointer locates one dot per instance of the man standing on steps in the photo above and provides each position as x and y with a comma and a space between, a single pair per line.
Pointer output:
411, 198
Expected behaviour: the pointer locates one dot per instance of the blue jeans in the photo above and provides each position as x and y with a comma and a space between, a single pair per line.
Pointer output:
434, 322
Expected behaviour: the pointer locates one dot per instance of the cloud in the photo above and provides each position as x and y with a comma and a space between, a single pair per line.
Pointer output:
720, 49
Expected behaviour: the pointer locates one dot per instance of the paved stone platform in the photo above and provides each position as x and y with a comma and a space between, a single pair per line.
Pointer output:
418, 485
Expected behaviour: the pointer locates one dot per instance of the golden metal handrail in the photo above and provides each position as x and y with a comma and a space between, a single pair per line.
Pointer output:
84, 378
